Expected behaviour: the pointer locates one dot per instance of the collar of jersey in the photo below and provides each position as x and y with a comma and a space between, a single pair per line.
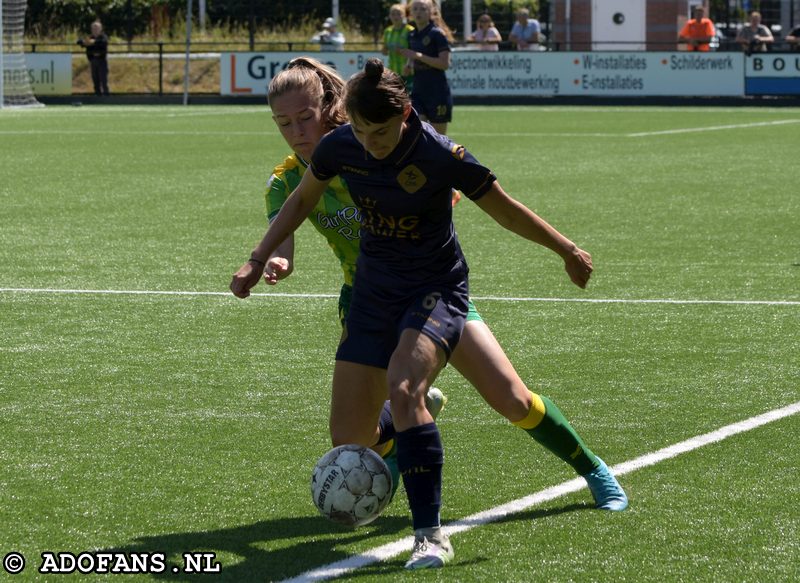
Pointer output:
409, 140
425, 30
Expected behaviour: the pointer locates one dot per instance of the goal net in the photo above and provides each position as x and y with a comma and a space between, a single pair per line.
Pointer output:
15, 86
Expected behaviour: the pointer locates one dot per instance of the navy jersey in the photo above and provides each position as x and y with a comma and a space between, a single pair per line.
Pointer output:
407, 234
429, 41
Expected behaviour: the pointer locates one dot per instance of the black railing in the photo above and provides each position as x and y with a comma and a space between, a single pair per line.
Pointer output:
170, 47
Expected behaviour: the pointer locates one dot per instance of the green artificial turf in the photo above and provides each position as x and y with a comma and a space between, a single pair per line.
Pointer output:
158, 413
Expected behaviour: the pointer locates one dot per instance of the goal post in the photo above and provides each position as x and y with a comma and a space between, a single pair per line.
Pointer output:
15, 85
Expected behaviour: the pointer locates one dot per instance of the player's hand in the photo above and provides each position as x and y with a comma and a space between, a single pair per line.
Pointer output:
277, 269
579, 267
245, 279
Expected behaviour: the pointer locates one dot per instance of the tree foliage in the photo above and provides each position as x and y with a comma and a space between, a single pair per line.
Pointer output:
126, 18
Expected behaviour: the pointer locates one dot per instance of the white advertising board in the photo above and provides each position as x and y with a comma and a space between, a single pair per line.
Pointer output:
773, 65
773, 74
49, 73
525, 74
250, 73
596, 73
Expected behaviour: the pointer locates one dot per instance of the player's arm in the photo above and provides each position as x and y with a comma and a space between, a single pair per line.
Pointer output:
442, 61
519, 219
292, 213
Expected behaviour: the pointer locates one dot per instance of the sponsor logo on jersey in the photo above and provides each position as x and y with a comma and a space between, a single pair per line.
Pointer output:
411, 179
355, 170
345, 221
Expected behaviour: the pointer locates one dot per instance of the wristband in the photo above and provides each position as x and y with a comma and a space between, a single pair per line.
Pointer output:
255, 260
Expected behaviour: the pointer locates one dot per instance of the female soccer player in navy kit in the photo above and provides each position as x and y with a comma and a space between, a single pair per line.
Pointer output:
428, 53
409, 299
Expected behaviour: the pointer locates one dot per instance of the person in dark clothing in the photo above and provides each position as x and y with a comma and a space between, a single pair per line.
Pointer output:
96, 46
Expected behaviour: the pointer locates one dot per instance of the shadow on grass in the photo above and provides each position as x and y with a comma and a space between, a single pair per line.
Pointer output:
296, 544
394, 567
302, 543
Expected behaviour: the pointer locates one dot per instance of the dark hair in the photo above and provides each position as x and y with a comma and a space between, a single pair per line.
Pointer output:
319, 81
375, 94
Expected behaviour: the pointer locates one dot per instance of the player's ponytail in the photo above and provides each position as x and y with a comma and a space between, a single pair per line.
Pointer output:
319, 81
375, 94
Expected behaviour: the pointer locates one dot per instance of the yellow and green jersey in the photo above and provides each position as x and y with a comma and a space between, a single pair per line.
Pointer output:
396, 38
335, 215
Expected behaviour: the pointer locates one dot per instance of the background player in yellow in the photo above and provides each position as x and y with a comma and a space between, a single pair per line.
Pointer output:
395, 38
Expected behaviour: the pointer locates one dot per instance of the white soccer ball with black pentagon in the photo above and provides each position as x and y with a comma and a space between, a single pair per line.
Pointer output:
351, 485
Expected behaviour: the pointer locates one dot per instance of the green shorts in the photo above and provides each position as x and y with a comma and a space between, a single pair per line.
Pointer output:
346, 296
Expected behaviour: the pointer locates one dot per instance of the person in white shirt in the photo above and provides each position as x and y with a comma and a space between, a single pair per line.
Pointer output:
486, 34
329, 38
525, 32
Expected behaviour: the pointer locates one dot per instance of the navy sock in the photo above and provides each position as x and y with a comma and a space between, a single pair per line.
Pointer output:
386, 424
420, 458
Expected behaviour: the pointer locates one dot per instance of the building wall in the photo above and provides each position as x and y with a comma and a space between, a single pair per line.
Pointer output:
664, 20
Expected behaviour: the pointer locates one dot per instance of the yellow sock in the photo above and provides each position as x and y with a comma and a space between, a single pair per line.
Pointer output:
535, 415
383, 449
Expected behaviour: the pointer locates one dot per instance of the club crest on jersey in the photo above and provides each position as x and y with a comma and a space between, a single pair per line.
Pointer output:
426, 41
368, 203
457, 151
411, 179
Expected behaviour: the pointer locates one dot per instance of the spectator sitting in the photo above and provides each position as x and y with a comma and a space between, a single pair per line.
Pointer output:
525, 32
698, 32
329, 38
793, 38
486, 35
754, 37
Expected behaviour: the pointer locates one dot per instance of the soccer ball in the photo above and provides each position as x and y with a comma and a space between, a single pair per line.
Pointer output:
351, 485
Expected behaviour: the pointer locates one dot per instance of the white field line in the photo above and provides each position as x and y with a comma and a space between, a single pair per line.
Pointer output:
135, 292
713, 128
539, 134
135, 133
32, 290
393, 549
268, 131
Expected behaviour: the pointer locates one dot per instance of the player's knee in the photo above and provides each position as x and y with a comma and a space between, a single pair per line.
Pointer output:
516, 403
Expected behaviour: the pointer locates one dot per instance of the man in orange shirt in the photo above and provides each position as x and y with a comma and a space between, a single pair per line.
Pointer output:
697, 32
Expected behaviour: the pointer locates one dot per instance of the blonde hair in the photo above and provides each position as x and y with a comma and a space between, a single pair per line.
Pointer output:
436, 17
320, 81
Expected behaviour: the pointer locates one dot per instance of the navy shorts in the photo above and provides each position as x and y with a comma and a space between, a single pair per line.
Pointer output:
373, 325
346, 297
436, 108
